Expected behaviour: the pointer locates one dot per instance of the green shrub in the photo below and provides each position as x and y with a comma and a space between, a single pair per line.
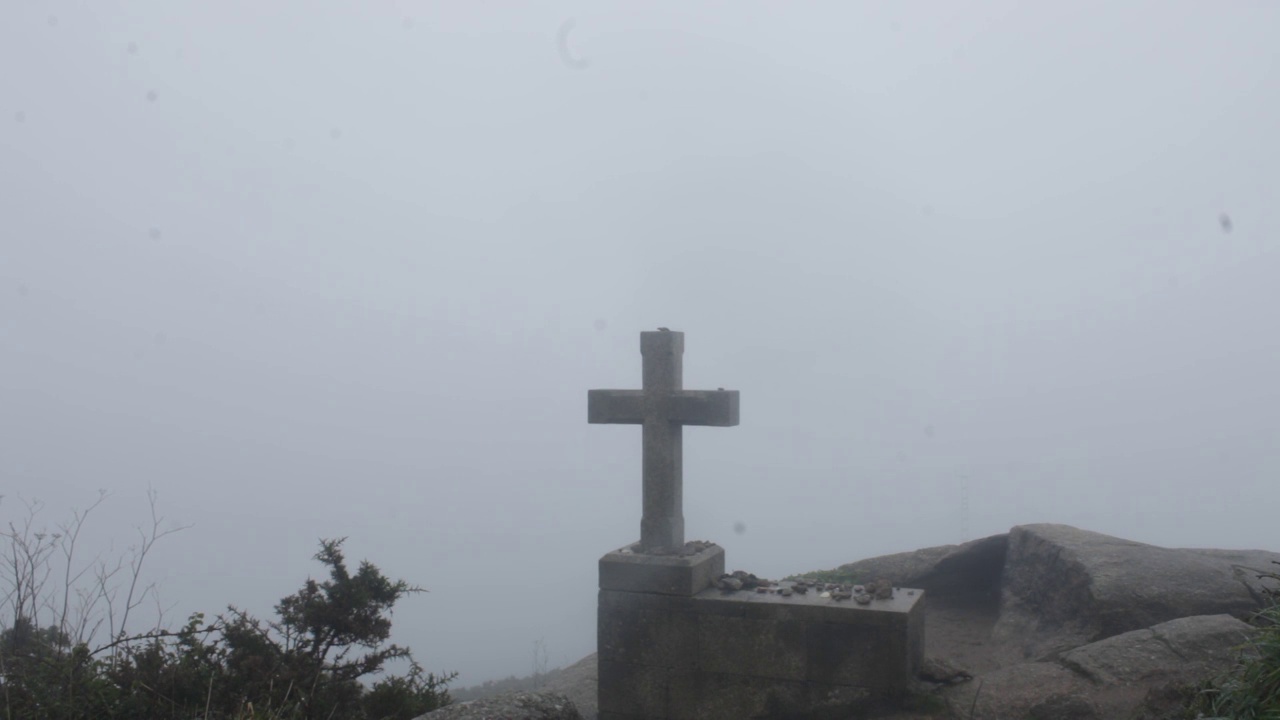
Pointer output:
309, 663
312, 661
837, 576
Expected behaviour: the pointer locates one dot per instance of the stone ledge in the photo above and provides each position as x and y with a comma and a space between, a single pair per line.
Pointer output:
628, 571
725, 656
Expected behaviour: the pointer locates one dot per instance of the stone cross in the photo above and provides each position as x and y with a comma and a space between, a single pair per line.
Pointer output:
663, 407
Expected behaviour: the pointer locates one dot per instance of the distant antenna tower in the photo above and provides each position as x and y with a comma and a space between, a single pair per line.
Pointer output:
964, 509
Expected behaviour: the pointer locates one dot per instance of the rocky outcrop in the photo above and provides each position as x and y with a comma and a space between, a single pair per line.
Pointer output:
1126, 675
1187, 649
1063, 587
578, 683
1057, 623
951, 572
522, 706
1042, 690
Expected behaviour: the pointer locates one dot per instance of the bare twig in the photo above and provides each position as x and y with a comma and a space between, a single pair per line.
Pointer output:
148, 540
75, 614
71, 533
976, 693
210, 628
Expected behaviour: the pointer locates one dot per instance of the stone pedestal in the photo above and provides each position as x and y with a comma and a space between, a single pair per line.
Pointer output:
683, 575
673, 647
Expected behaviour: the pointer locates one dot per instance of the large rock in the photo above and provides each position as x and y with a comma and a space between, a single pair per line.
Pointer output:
1184, 650
1122, 676
1041, 690
947, 572
578, 682
521, 706
1077, 624
1063, 587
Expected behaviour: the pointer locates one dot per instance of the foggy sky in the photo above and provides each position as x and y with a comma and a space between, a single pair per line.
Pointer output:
319, 269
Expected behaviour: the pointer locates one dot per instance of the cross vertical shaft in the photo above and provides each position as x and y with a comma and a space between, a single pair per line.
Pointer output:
662, 469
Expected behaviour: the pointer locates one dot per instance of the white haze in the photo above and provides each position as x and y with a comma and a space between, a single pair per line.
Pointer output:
321, 269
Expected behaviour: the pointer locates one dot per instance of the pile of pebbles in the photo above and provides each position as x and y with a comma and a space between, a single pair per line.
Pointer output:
740, 581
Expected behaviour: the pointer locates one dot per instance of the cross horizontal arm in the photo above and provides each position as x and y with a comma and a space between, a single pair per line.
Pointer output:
615, 406
716, 408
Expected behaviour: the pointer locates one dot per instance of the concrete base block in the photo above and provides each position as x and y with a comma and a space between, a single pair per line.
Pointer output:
686, 576
714, 656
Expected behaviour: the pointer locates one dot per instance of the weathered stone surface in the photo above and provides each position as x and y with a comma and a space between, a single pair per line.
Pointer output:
642, 629
1118, 677
1064, 587
1246, 566
522, 706
946, 571
942, 672
666, 656
1042, 690
578, 682
669, 574
706, 696
1066, 706
633, 691
1186, 650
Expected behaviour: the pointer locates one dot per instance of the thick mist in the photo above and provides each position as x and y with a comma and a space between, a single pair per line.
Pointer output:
316, 270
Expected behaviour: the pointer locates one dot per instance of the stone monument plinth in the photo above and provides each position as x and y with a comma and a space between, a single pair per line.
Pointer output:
685, 575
